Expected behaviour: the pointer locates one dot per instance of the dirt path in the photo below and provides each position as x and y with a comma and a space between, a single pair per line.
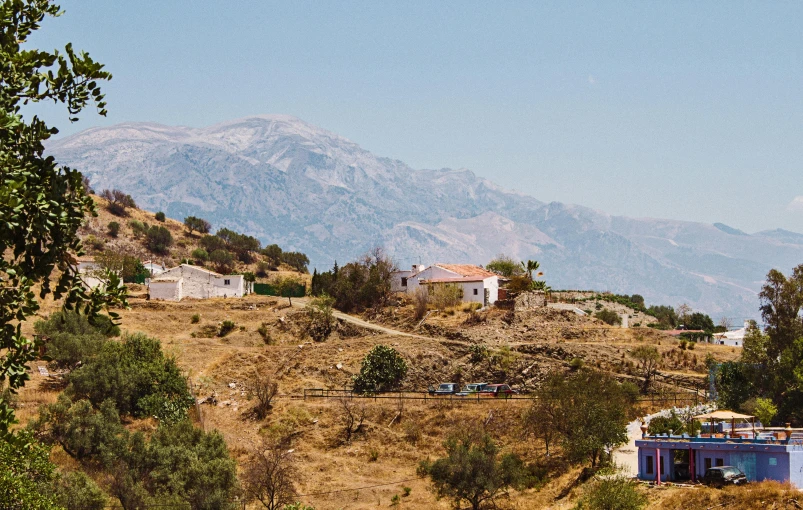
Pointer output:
302, 302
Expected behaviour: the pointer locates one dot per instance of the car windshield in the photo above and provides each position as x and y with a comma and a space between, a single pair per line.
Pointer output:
445, 387
731, 471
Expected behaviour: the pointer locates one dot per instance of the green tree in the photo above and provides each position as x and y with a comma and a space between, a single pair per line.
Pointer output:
194, 223
160, 216
286, 286
765, 411
42, 205
383, 369
200, 255
505, 266
113, 229
473, 469
222, 260
296, 260
158, 240
529, 268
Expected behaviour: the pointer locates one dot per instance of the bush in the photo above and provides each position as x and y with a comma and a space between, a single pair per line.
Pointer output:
136, 375
320, 319
71, 339
222, 260
158, 240
200, 255
613, 492
609, 317
265, 333
129, 266
94, 243
76, 490
576, 363
382, 369
445, 295
138, 228
118, 202
504, 266
195, 319
113, 229
226, 327
160, 216
420, 303
26, 473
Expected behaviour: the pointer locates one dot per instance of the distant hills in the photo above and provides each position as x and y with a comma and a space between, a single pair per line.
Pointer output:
285, 181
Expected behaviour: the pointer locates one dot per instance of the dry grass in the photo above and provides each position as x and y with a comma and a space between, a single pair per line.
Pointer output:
769, 494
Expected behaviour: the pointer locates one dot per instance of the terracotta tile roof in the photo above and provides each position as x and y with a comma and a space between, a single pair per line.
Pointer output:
467, 270
455, 280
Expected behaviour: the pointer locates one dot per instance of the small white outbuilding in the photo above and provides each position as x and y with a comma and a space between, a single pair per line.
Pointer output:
478, 285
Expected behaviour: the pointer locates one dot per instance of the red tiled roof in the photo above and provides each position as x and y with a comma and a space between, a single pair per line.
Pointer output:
455, 280
467, 270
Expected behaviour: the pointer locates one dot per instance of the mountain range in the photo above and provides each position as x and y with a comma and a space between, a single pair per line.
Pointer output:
288, 182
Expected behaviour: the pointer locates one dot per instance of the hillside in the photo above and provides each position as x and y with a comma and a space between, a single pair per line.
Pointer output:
520, 348
283, 180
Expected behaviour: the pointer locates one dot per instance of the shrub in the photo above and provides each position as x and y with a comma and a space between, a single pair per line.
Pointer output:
406, 491
682, 345
76, 490
160, 216
118, 202
200, 255
373, 455
222, 260
477, 353
576, 363
113, 229
71, 339
613, 492
473, 470
263, 268
129, 372
193, 223
320, 319
504, 266
420, 303
195, 319
412, 432
226, 327
129, 266
382, 369
445, 295
94, 243
138, 227
158, 240
609, 317
265, 333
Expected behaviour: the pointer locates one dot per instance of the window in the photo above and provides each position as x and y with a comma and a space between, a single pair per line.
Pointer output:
720, 462
650, 464
226, 282
707, 463
404, 281
475, 291
773, 461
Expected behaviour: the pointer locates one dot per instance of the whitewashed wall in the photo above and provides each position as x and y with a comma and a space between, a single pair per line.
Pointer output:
202, 284
169, 291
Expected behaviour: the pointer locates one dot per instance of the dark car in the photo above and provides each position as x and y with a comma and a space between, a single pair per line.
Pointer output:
472, 389
444, 389
498, 390
724, 475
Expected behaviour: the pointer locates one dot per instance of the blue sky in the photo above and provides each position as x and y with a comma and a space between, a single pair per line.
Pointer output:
681, 110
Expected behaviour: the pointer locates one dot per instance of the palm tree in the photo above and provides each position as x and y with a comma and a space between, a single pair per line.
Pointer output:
529, 267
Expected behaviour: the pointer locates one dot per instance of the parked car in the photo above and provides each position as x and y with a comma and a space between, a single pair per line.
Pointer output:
498, 390
444, 389
724, 475
472, 389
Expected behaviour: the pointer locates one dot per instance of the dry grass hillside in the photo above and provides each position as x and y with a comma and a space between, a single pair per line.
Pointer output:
457, 345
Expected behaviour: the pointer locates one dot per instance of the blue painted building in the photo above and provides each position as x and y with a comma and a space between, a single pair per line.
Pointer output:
684, 458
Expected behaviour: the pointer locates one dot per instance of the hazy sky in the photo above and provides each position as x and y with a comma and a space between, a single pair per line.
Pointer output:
677, 109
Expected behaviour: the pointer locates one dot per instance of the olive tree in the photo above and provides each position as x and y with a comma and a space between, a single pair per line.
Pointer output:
42, 204
383, 369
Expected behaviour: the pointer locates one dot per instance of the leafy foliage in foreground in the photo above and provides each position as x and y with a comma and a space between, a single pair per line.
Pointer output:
42, 205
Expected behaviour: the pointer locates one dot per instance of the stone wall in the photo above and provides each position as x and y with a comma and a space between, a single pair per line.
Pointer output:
529, 300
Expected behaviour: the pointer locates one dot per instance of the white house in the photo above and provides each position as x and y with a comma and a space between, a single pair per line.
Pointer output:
478, 285
153, 268
398, 282
195, 282
89, 270
733, 338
